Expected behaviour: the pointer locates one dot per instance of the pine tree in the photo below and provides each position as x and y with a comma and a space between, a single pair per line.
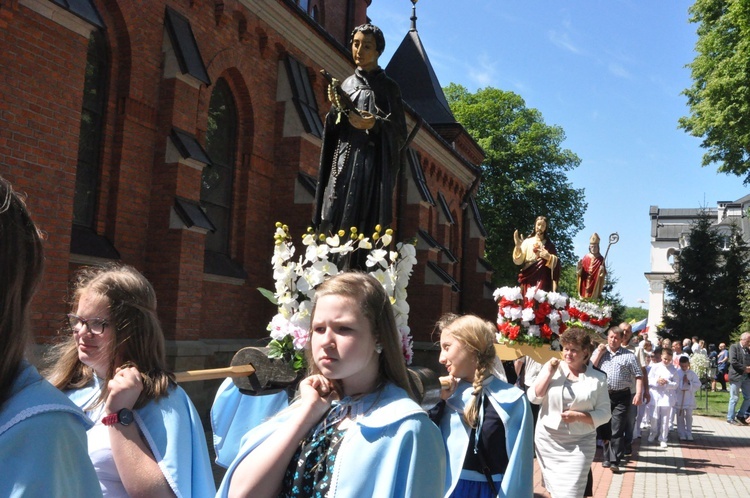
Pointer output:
612, 298
693, 306
733, 285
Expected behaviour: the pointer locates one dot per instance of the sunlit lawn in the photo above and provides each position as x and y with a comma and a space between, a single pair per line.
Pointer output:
717, 403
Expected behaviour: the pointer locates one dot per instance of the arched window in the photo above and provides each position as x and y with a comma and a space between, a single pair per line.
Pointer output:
312, 8
221, 144
91, 132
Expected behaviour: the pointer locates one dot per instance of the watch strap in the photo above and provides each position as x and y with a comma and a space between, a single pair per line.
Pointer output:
114, 418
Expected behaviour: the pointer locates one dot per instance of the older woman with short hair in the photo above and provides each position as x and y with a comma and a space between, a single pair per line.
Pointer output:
574, 402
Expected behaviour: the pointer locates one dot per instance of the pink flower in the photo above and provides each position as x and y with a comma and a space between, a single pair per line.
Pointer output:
299, 337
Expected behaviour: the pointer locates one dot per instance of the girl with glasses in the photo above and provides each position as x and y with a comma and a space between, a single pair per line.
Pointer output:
147, 439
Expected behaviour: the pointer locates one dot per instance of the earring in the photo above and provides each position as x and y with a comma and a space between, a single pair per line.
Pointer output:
378, 348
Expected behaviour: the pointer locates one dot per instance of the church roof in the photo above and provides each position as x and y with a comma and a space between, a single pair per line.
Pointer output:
411, 69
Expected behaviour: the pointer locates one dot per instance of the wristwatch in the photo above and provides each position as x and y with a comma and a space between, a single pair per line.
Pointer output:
123, 417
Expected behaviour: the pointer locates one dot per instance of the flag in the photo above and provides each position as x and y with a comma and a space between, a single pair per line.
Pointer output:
638, 326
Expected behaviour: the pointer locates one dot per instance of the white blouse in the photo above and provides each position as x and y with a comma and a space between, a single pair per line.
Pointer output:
100, 452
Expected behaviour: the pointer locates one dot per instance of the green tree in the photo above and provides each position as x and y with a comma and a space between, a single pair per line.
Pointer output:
732, 282
612, 298
744, 312
693, 305
523, 176
636, 314
719, 99
568, 283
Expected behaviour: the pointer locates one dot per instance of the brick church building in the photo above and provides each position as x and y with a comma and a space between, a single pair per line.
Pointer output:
172, 134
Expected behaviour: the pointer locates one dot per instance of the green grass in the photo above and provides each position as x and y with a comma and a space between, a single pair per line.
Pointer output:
717, 403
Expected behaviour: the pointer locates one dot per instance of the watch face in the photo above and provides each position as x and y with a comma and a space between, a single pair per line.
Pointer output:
125, 416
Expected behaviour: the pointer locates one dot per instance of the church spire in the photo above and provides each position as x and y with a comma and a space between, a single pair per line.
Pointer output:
411, 69
413, 15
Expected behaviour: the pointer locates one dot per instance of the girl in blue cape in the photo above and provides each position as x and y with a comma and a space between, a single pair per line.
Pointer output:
42, 434
486, 422
147, 439
354, 430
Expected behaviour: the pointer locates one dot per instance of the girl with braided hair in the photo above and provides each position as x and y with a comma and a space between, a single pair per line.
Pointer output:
486, 422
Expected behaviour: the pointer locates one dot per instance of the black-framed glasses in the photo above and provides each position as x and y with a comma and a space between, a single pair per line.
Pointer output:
95, 325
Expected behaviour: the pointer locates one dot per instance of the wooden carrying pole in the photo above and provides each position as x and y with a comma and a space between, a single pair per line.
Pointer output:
214, 373
538, 354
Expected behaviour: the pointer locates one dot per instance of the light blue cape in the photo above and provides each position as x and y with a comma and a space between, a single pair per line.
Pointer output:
392, 450
513, 408
43, 446
234, 414
174, 433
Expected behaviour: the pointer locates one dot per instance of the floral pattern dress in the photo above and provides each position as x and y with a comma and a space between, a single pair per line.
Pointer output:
310, 471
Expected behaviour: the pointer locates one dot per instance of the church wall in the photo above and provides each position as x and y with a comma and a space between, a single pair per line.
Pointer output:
43, 68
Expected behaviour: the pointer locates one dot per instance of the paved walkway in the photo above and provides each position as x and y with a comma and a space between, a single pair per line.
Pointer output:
716, 464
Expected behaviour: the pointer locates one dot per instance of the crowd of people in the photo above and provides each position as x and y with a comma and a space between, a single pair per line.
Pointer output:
106, 418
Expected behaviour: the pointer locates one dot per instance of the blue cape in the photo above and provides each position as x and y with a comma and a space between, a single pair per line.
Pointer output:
392, 449
173, 432
514, 410
43, 447
234, 414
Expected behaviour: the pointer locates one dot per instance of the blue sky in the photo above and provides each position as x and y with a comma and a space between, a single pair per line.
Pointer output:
610, 73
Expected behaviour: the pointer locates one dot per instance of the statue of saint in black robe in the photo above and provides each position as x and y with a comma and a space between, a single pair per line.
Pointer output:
358, 168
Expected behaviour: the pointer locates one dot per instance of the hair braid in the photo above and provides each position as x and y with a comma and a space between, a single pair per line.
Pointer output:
478, 337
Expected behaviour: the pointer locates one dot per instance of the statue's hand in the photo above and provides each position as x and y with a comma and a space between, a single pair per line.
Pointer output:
518, 239
363, 121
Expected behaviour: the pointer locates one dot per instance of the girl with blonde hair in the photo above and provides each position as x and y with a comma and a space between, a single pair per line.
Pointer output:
354, 429
148, 439
486, 422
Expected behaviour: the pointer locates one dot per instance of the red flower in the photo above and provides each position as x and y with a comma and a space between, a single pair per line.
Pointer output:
541, 312
546, 331
574, 313
513, 332
585, 317
504, 303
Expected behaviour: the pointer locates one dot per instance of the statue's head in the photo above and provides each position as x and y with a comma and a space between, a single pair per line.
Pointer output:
374, 31
594, 244
540, 225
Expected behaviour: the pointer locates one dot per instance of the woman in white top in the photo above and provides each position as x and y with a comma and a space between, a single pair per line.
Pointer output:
147, 439
575, 401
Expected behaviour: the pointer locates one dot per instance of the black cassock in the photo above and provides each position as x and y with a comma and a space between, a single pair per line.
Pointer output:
358, 169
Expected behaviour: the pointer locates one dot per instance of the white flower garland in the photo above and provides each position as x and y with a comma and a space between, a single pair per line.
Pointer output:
297, 279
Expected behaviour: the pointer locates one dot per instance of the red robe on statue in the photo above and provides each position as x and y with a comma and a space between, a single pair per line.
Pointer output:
591, 277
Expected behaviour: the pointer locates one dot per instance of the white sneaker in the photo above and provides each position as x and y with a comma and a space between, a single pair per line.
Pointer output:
663, 444
651, 438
